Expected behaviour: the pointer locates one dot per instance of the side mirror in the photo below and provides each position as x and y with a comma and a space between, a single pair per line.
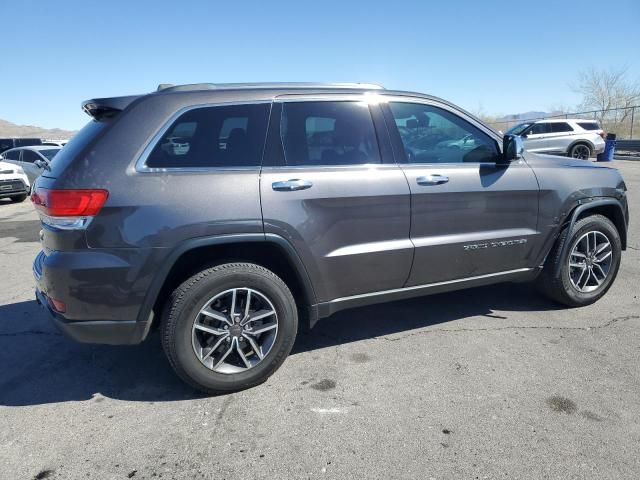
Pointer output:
512, 148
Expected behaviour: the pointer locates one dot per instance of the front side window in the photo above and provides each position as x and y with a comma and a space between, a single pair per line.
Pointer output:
540, 128
29, 156
434, 135
328, 133
221, 136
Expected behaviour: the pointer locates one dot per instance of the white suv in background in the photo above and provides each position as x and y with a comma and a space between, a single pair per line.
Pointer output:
567, 136
14, 183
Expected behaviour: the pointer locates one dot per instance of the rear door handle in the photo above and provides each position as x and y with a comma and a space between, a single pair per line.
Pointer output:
291, 185
433, 179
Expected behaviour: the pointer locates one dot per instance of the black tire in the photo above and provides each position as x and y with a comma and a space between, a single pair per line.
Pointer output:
18, 198
555, 281
187, 300
576, 151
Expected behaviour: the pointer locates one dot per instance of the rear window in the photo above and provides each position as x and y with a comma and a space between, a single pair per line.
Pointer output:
75, 147
559, 127
589, 125
213, 137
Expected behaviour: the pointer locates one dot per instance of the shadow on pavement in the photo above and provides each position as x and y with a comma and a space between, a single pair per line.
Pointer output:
40, 366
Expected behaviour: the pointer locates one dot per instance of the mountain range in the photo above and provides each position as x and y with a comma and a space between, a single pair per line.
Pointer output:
9, 129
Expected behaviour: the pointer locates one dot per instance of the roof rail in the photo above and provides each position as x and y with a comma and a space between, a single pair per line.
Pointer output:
167, 87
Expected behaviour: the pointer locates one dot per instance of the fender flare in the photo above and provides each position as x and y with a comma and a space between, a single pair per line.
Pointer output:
585, 205
144, 315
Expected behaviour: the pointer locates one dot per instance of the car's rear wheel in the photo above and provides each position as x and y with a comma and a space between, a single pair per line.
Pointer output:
18, 198
581, 151
229, 327
583, 272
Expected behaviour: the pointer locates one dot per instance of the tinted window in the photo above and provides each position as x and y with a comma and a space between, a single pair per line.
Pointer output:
539, 128
25, 142
29, 156
6, 144
434, 135
328, 133
12, 155
80, 141
589, 125
49, 153
226, 136
559, 127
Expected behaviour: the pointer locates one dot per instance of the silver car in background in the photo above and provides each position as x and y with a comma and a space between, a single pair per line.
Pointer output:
33, 160
572, 137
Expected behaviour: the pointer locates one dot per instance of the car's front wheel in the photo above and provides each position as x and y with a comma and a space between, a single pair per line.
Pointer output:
581, 151
583, 272
229, 327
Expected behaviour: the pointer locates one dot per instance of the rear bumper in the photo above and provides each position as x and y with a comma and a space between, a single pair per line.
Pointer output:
101, 306
110, 332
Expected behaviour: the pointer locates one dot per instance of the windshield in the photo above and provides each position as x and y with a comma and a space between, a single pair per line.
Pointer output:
518, 129
49, 153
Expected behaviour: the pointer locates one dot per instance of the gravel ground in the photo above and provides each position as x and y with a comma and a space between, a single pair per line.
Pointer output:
494, 382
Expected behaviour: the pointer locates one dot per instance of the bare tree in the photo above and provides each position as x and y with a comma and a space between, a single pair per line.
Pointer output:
608, 89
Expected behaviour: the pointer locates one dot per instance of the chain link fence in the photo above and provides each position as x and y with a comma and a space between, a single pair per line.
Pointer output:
624, 122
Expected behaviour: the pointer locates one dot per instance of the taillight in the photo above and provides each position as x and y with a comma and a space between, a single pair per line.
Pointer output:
68, 209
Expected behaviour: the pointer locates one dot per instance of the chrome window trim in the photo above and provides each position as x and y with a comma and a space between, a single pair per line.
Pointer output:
141, 162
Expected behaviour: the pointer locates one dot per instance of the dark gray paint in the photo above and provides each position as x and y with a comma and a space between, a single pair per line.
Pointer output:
360, 235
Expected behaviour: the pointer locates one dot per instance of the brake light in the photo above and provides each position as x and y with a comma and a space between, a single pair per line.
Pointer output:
69, 203
68, 209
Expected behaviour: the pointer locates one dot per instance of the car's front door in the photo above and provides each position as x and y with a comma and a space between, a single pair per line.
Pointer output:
326, 189
27, 162
536, 137
470, 215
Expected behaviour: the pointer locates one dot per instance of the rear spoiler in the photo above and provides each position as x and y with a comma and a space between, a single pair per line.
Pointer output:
100, 108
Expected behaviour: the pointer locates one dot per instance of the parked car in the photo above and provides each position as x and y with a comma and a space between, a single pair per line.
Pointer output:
283, 204
8, 143
14, 183
34, 160
575, 138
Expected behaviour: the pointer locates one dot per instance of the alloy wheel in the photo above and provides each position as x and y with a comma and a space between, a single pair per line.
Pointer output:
581, 152
235, 330
590, 261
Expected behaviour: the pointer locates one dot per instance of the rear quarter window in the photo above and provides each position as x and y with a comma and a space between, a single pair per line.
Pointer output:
589, 125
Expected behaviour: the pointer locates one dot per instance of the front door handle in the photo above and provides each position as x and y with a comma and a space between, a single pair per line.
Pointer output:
291, 185
433, 179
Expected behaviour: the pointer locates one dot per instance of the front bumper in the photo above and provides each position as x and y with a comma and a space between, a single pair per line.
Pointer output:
57, 278
11, 188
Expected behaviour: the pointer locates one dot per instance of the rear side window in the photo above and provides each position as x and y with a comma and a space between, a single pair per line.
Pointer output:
12, 155
589, 125
328, 133
213, 137
559, 127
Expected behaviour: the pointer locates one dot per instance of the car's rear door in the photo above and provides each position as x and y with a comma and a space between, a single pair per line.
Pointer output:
326, 189
470, 216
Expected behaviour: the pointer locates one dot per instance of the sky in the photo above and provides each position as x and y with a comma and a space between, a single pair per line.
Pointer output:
497, 57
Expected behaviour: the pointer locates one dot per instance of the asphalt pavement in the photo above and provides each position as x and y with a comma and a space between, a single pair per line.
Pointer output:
493, 382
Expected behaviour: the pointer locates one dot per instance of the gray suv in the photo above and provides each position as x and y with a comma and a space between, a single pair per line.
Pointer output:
228, 215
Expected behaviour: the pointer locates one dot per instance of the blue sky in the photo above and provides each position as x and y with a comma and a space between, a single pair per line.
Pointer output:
502, 57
